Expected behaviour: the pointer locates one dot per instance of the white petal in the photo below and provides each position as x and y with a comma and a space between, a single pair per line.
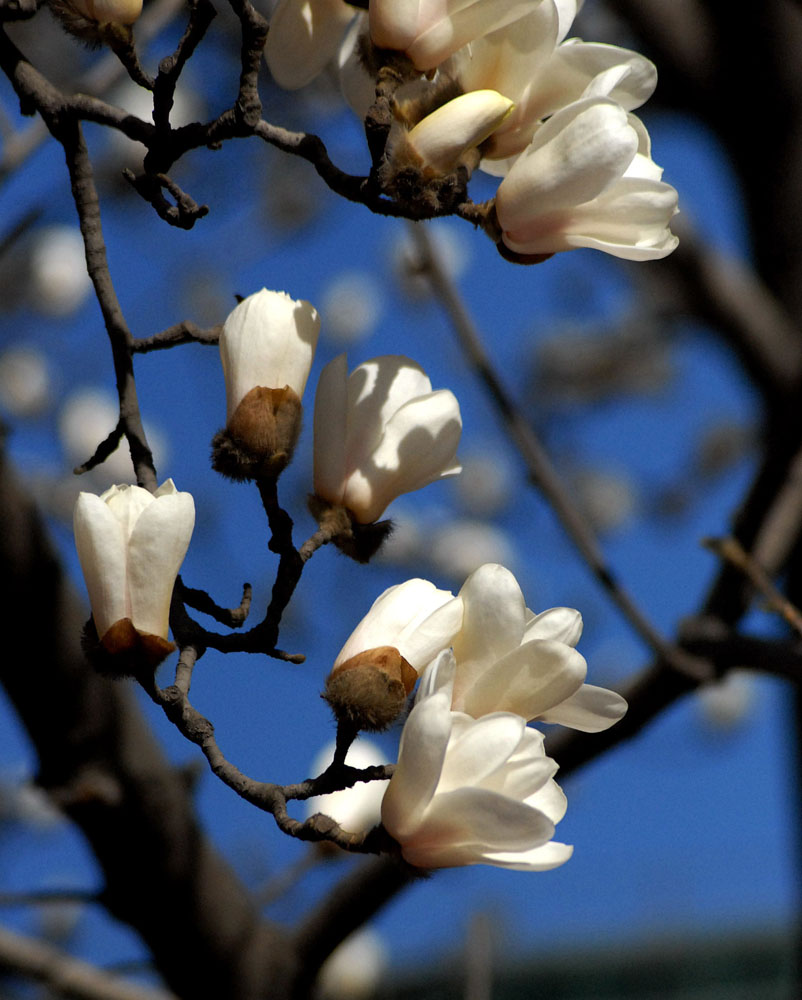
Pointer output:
330, 429
441, 38
549, 799
102, 551
560, 624
438, 676
479, 750
422, 640
591, 709
528, 681
126, 504
445, 135
476, 816
492, 625
574, 157
268, 340
304, 35
376, 389
397, 614
156, 550
418, 447
538, 859
420, 759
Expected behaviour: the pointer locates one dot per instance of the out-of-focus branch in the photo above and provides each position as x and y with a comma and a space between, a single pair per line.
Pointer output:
541, 471
99, 762
66, 975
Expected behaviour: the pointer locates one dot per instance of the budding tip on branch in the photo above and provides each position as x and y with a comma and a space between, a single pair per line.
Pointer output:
260, 436
369, 691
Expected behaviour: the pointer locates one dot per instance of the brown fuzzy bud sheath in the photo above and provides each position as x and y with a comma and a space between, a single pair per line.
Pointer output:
124, 651
260, 436
370, 690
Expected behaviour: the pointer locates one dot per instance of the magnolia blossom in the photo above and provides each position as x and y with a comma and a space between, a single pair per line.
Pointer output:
304, 35
587, 180
442, 138
381, 432
407, 626
414, 617
473, 791
429, 31
131, 544
508, 659
266, 349
526, 63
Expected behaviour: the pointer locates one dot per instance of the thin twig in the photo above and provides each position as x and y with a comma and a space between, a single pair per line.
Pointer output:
732, 550
540, 468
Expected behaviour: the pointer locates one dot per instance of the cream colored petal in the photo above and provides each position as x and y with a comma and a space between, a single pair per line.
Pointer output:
574, 157
376, 389
102, 551
156, 550
395, 616
439, 39
420, 758
591, 709
528, 681
304, 36
492, 625
438, 675
538, 859
126, 503
330, 429
418, 447
479, 750
444, 136
560, 624
269, 340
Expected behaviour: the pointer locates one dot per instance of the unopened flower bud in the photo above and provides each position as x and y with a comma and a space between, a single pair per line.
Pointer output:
266, 349
370, 689
98, 21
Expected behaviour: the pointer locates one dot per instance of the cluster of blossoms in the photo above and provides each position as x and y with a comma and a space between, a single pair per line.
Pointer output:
473, 782
494, 83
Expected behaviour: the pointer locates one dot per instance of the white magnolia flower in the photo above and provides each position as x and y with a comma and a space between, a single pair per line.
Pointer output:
473, 791
414, 617
525, 62
381, 432
304, 35
131, 544
266, 349
429, 31
508, 659
377, 668
268, 340
443, 137
356, 809
587, 180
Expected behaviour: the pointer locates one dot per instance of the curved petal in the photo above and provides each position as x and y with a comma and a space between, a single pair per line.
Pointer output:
418, 447
330, 429
268, 340
425, 637
445, 135
479, 750
549, 799
438, 676
465, 22
102, 551
304, 35
538, 859
573, 158
528, 681
492, 625
483, 818
156, 550
560, 624
126, 503
424, 739
591, 709
397, 614
376, 389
